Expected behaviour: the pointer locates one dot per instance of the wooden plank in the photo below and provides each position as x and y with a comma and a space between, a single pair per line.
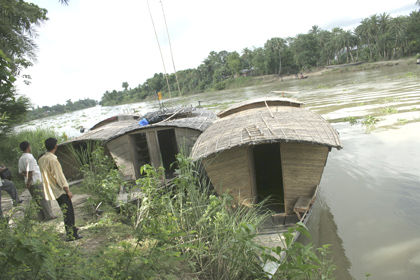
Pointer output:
119, 149
154, 150
252, 175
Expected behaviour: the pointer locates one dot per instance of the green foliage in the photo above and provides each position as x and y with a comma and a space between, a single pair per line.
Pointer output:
101, 176
377, 38
408, 75
298, 261
370, 120
351, 120
27, 250
178, 231
17, 50
9, 145
369, 123
47, 111
324, 87
389, 110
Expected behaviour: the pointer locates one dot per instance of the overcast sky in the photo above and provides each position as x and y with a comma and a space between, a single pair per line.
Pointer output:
92, 46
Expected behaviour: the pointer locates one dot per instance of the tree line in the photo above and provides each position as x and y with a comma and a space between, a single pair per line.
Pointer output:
377, 38
46, 111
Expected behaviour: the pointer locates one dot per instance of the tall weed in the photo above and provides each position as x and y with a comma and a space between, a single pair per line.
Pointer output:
102, 177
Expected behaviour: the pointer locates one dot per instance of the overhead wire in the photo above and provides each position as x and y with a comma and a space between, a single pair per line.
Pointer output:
170, 46
160, 50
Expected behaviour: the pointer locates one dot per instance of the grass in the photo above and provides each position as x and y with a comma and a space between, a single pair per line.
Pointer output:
11, 152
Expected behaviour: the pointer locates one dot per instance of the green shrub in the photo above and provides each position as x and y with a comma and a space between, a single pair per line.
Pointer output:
101, 176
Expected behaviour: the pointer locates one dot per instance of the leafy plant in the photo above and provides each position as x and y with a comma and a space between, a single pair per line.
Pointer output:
370, 120
389, 110
298, 261
101, 176
351, 120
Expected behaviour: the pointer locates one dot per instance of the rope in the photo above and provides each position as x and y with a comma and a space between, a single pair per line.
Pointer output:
160, 50
170, 47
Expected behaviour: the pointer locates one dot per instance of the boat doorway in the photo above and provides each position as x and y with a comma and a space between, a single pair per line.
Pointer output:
268, 176
168, 150
142, 155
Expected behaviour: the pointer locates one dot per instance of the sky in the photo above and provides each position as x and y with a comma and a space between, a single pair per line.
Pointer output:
93, 46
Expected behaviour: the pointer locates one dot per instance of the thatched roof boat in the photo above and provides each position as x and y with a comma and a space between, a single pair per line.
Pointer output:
267, 147
132, 145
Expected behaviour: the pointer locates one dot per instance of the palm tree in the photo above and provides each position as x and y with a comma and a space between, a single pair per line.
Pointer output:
348, 41
398, 27
383, 35
324, 42
314, 30
246, 53
337, 42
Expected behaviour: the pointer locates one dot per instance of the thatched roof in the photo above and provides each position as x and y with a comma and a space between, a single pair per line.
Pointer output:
259, 102
197, 118
276, 120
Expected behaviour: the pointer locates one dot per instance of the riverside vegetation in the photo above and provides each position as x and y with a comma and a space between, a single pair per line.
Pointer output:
181, 230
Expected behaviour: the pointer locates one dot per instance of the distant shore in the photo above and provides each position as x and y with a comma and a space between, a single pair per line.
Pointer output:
324, 71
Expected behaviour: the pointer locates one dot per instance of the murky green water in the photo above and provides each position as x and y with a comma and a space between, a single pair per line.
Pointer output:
369, 202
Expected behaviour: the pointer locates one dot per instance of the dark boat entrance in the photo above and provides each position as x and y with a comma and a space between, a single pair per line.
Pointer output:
268, 175
142, 152
168, 150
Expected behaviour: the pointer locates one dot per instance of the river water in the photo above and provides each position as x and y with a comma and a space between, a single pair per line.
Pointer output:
369, 201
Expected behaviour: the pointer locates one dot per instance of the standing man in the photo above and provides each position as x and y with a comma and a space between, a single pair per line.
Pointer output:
56, 187
33, 181
9, 187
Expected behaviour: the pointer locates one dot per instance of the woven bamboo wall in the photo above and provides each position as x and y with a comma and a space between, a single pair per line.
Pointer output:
229, 173
185, 138
120, 149
302, 166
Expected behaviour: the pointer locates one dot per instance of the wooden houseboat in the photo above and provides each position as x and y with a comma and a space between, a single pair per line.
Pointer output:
132, 143
267, 147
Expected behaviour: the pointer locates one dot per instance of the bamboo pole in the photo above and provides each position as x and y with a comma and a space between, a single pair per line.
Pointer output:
283, 92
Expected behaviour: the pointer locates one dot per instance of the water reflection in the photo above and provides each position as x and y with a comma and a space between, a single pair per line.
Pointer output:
323, 230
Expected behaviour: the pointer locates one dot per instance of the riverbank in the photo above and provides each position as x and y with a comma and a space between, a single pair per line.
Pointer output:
318, 71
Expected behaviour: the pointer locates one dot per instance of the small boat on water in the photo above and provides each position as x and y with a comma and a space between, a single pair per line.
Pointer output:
154, 140
268, 148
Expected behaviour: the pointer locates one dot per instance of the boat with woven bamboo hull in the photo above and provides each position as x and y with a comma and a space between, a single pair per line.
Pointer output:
268, 147
132, 145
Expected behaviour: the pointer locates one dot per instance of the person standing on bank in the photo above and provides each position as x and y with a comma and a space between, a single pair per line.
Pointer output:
56, 187
29, 169
9, 187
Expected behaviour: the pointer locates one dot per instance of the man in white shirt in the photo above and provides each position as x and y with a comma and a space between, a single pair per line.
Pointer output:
29, 169
9, 187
